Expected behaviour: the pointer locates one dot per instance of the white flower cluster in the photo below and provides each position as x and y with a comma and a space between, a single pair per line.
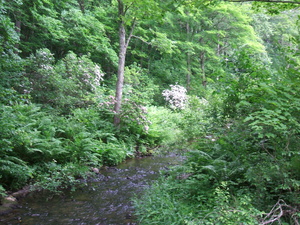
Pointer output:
46, 67
91, 76
176, 97
44, 59
45, 55
98, 75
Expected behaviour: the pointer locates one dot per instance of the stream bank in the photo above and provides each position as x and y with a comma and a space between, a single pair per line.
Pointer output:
105, 200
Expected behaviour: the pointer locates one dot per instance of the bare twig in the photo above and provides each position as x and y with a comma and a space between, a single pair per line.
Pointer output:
278, 211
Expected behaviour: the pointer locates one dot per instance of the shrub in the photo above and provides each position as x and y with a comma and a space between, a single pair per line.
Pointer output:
176, 97
15, 173
114, 153
164, 128
56, 177
71, 82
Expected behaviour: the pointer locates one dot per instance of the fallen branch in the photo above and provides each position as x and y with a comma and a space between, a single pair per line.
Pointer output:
279, 210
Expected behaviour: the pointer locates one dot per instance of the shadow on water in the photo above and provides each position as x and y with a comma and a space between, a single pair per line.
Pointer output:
105, 200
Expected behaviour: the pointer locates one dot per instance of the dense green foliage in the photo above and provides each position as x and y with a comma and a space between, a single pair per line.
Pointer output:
241, 135
215, 79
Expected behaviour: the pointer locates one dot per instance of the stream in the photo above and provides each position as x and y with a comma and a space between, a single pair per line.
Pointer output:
106, 200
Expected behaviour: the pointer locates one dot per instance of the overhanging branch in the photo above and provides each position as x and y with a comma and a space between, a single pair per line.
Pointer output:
140, 38
267, 1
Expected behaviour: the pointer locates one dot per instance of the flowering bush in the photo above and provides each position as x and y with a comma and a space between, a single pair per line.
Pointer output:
131, 114
176, 97
72, 81
41, 76
86, 74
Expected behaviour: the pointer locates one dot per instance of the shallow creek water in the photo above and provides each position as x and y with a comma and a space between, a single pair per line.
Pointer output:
105, 200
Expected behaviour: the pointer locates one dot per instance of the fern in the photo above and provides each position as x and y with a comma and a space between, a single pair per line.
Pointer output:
14, 172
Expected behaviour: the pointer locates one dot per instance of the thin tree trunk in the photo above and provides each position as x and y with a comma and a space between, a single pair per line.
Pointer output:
81, 5
202, 63
188, 75
18, 25
121, 67
122, 58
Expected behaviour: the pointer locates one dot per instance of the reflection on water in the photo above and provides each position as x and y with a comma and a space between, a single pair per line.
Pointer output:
104, 201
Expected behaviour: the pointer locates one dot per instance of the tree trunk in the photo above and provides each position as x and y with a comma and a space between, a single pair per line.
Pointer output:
18, 25
202, 63
121, 67
122, 57
81, 5
188, 75
189, 72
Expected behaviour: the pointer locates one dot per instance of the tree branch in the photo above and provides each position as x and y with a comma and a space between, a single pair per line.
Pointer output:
278, 211
137, 37
131, 32
267, 1
127, 8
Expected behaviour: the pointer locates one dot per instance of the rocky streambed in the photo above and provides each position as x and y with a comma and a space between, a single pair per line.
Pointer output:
104, 200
